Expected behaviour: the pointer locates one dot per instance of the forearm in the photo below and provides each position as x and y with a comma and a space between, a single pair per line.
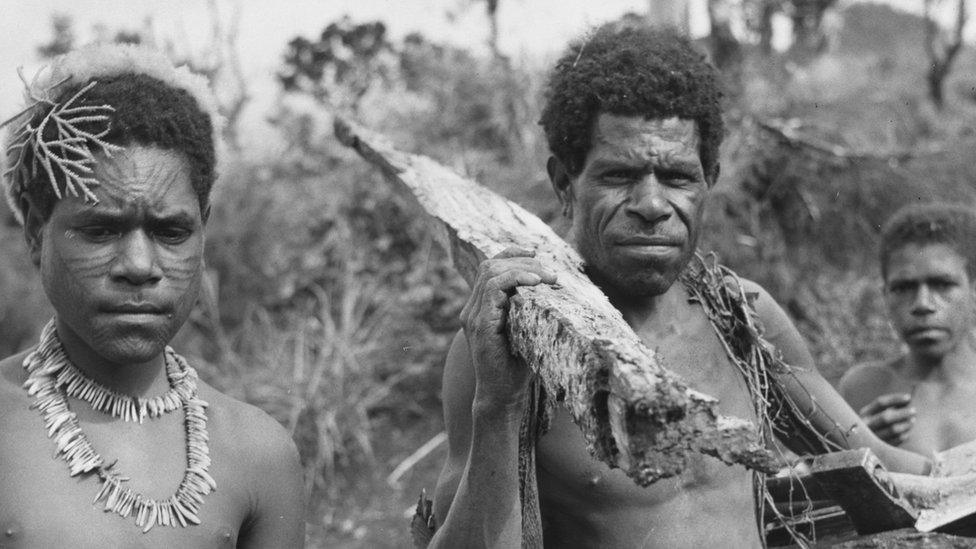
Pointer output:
486, 511
902, 461
836, 421
850, 431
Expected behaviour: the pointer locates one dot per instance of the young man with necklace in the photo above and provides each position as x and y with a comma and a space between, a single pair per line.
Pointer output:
110, 438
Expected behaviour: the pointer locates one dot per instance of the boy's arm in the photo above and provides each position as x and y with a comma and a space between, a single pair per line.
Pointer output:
828, 412
276, 486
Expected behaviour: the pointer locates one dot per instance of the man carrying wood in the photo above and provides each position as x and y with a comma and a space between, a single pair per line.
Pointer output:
634, 125
923, 399
109, 437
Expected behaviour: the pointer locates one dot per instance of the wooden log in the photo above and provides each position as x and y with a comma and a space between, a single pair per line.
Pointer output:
905, 539
956, 461
944, 503
634, 414
859, 483
948, 498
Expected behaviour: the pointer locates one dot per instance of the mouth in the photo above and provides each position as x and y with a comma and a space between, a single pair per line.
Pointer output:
135, 308
925, 332
650, 242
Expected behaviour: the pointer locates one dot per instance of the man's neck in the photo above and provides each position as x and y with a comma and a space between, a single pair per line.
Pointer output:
144, 379
645, 309
956, 368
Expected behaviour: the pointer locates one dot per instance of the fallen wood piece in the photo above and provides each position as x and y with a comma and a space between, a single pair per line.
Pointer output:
787, 132
958, 460
944, 502
634, 414
857, 481
947, 498
905, 539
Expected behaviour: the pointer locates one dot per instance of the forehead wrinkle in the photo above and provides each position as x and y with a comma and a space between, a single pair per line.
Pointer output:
130, 179
632, 138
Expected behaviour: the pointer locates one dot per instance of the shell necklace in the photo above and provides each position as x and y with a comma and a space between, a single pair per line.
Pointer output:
51, 378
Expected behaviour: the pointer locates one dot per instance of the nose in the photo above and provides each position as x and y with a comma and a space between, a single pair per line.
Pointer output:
923, 303
136, 262
647, 200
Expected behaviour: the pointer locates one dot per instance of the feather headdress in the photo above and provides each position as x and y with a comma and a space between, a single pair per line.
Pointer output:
71, 150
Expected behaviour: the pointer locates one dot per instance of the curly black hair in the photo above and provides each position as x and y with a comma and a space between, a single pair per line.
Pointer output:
953, 225
147, 112
630, 70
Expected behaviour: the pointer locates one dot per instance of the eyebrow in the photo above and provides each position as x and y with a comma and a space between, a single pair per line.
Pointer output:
641, 164
176, 218
941, 277
109, 216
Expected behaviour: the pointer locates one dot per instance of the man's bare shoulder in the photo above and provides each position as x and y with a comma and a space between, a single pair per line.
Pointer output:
776, 323
246, 430
754, 290
12, 376
254, 454
754, 293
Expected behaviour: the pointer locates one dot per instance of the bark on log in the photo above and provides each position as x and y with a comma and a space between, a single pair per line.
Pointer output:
634, 413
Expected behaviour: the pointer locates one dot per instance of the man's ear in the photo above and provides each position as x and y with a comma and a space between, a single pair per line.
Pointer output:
562, 184
33, 228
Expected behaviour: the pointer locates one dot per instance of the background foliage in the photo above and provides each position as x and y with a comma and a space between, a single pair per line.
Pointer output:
331, 308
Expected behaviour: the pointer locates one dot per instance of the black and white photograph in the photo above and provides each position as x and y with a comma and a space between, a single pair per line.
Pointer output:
499, 274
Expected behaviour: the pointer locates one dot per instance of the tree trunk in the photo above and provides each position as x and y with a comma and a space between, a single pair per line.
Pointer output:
725, 49
767, 10
492, 12
668, 13
942, 52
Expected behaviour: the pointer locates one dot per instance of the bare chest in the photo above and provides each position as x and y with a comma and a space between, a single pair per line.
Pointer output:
944, 418
584, 503
690, 347
584, 496
42, 506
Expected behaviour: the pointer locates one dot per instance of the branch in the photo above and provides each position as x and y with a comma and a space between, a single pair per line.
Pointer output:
956, 44
786, 133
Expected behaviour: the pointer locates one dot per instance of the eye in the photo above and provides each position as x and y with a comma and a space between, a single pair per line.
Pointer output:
941, 285
900, 288
673, 176
97, 233
621, 176
172, 235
